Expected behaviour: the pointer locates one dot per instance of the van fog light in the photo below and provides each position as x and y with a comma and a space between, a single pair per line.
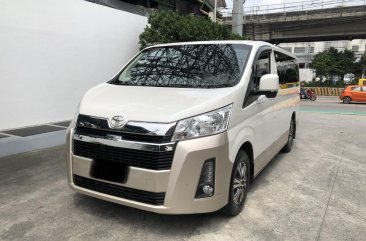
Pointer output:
207, 189
206, 185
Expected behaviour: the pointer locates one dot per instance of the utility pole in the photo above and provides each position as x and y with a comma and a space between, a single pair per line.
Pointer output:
238, 17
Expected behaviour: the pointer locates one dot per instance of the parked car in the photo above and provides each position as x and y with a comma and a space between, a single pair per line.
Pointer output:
353, 93
185, 127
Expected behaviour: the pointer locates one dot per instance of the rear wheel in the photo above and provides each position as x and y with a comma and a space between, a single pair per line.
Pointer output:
347, 100
290, 139
239, 185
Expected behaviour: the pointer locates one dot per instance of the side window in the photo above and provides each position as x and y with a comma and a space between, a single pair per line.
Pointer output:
356, 88
287, 70
261, 67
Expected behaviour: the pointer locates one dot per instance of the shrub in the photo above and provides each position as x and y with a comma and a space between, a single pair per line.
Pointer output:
169, 27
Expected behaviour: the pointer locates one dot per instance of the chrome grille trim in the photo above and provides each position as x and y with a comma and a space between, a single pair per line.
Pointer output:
132, 127
116, 141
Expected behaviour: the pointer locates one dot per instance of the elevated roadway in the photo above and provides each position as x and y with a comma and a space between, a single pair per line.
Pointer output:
338, 23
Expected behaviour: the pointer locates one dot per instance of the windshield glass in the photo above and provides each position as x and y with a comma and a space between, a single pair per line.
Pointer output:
190, 66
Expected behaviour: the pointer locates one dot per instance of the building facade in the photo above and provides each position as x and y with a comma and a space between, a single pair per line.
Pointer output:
144, 7
305, 51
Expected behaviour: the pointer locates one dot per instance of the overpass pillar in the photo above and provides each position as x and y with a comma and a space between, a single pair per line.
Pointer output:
238, 17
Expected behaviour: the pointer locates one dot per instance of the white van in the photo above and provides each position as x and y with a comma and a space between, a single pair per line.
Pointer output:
185, 127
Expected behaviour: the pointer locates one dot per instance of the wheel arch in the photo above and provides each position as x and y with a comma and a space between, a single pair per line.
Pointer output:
248, 148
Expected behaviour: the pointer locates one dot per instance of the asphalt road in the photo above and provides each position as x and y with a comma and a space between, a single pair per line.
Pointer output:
333, 105
316, 192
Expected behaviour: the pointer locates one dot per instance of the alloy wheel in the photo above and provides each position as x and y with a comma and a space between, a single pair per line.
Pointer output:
240, 183
346, 100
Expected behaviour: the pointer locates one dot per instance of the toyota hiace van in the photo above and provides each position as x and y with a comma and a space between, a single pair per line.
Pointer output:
185, 127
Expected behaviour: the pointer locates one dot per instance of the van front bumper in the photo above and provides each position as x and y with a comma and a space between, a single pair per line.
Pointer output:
179, 183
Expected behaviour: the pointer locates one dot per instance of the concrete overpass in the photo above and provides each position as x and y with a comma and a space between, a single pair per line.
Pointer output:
338, 23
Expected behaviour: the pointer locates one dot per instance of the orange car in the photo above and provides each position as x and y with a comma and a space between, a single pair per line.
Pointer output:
353, 93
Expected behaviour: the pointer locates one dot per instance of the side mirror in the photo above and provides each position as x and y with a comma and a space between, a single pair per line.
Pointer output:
268, 85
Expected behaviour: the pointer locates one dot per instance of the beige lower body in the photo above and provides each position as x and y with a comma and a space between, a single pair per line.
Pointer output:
179, 183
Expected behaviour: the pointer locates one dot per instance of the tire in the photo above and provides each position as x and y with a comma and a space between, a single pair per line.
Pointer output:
291, 134
313, 98
347, 100
240, 177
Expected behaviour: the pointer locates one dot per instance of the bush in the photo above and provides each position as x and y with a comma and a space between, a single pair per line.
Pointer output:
326, 83
169, 27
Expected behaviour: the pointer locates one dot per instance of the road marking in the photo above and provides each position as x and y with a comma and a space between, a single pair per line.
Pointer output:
333, 112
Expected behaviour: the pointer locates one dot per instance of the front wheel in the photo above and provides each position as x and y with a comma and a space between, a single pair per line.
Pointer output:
290, 138
313, 98
347, 100
239, 185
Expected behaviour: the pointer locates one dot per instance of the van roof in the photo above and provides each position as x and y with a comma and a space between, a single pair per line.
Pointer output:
255, 44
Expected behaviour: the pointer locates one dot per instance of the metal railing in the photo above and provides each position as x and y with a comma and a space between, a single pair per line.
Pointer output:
295, 7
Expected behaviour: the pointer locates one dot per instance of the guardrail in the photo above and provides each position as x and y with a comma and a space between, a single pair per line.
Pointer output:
326, 91
306, 5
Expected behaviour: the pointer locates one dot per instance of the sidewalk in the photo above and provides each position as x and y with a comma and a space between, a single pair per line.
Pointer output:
32, 138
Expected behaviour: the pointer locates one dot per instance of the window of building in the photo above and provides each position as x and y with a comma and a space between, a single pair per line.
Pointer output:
311, 50
299, 50
289, 49
355, 48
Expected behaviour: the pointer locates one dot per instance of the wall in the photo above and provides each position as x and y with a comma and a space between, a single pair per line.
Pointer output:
52, 52
306, 75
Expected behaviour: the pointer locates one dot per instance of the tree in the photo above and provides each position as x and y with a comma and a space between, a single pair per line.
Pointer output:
168, 27
360, 67
332, 63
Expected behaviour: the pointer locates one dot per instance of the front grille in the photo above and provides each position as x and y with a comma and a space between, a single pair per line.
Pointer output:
131, 157
99, 127
125, 136
119, 191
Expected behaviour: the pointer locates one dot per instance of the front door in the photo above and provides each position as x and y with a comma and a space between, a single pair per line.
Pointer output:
260, 111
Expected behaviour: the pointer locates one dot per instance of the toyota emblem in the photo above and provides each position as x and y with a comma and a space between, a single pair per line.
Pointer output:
117, 121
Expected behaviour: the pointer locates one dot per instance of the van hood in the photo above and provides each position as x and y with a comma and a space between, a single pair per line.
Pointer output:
152, 104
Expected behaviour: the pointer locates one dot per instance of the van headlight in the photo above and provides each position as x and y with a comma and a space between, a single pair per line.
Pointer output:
209, 123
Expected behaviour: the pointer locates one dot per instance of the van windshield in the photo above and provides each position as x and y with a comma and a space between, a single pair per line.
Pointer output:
190, 66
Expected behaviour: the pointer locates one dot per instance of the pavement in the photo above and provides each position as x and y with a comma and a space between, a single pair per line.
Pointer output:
332, 105
315, 192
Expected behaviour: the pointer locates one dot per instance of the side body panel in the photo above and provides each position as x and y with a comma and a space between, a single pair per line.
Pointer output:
357, 94
264, 123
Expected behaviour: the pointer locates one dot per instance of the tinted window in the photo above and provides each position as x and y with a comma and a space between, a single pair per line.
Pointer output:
191, 66
262, 66
287, 70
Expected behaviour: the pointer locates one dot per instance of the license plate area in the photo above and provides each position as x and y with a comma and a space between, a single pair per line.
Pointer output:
109, 170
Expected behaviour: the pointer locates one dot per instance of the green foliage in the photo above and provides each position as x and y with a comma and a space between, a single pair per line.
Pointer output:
332, 63
360, 66
168, 27
326, 83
